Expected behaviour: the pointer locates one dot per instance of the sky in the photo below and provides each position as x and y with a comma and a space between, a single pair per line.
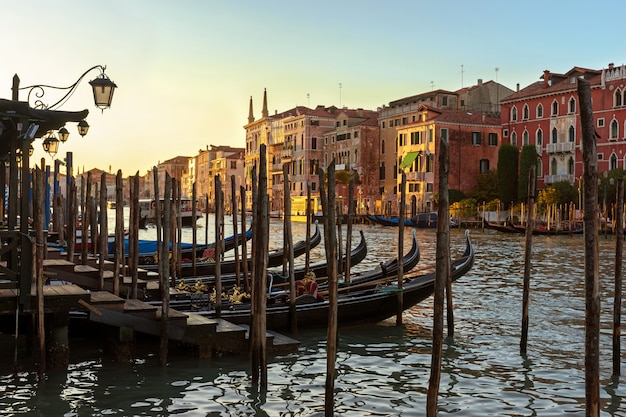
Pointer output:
186, 69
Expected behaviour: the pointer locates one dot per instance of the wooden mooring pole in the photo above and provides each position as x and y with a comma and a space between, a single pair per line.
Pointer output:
402, 215
530, 226
37, 247
103, 235
219, 237
244, 241
288, 248
330, 244
349, 221
592, 296
442, 276
119, 233
233, 205
259, 269
617, 301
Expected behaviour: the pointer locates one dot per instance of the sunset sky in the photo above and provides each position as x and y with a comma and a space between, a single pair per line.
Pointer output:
186, 70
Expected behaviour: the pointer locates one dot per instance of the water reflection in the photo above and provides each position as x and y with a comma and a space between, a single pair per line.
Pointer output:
381, 369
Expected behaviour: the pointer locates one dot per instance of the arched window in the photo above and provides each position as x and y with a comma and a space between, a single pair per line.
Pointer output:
553, 167
539, 137
618, 97
613, 162
614, 129
356, 156
514, 114
525, 138
555, 135
570, 166
382, 147
572, 105
514, 138
525, 112
539, 111
555, 108
571, 134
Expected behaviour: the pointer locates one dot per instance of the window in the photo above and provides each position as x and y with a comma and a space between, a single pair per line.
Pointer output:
475, 138
613, 162
337, 123
429, 163
313, 186
525, 112
383, 124
444, 100
601, 122
484, 166
539, 168
381, 174
571, 108
405, 120
356, 134
233, 164
555, 135
345, 122
525, 139
539, 111
505, 133
382, 147
555, 108
618, 98
431, 135
539, 137
493, 139
614, 130
430, 187
415, 138
444, 133
571, 135
514, 138
570, 166
553, 166
313, 143
514, 114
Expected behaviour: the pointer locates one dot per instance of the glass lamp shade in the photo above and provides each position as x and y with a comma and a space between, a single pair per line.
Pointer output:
51, 145
83, 127
103, 89
63, 134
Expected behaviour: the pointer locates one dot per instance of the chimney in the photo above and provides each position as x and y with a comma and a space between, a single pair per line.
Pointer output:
517, 88
546, 78
611, 65
480, 82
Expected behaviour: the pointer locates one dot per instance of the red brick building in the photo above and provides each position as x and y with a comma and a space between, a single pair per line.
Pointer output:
474, 140
547, 114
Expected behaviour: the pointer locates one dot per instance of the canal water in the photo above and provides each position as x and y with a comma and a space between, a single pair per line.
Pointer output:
382, 369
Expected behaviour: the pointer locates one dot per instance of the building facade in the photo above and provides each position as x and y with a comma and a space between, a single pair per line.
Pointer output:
547, 114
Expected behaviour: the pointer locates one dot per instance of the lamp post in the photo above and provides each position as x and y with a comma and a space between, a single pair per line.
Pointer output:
23, 123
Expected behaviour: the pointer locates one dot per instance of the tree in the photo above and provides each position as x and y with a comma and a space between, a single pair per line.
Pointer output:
507, 173
527, 160
487, 189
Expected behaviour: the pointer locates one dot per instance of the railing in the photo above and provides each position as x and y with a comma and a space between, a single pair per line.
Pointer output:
560, 147
16, 265
415, 176
551, 179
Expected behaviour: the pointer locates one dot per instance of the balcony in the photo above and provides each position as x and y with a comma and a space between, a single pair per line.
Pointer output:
560, 147
551, 179
415, 176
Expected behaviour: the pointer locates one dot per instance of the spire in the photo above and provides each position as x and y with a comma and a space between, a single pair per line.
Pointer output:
250, 115
264, 113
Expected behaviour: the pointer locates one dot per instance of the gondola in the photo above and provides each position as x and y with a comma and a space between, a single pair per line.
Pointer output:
370, 305
148, 248
207, 268
320, 270
504, 228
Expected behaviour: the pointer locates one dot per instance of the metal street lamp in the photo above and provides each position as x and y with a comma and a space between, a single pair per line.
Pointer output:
63, 134
51, 144
83, 127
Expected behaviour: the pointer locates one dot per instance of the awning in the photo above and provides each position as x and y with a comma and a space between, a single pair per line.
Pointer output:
408, 159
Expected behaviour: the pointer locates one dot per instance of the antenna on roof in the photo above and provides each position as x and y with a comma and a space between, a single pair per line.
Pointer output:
339, 95
461, 75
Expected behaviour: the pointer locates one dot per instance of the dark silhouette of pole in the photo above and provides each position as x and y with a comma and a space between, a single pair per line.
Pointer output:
401, 248
592, 296
530, 225
119, 232
233, 204
244, 241
617, 302
442, 276
330, 244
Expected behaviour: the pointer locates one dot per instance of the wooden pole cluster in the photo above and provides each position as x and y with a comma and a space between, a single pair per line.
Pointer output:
530, 225
330, 244
164, 267
617, 297
260, 247
133, 237
72, 210
590, 219
442, 278
38, 247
